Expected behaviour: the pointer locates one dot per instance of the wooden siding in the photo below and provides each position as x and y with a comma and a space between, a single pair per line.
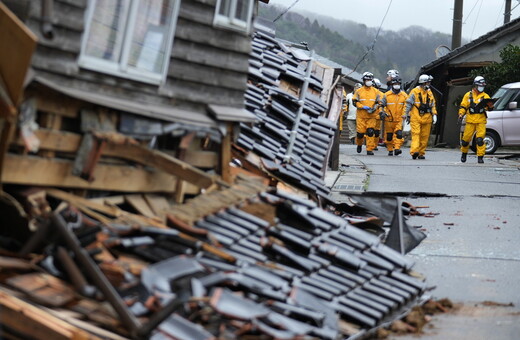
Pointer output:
208, 64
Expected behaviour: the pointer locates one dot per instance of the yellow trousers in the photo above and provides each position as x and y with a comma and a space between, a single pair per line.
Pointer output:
469, 130
394, 143
362, 125
420, 134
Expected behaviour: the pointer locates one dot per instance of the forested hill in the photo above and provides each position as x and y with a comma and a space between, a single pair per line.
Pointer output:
345, 42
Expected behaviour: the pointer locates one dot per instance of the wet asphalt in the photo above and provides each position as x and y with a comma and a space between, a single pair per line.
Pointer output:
471, 254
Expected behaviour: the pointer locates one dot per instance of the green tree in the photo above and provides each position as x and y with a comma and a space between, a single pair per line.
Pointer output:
498, 74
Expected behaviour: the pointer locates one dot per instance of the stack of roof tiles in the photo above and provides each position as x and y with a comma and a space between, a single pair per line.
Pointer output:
306, 273
277, 110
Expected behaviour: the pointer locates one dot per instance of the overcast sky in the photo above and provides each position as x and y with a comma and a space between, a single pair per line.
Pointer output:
479, 17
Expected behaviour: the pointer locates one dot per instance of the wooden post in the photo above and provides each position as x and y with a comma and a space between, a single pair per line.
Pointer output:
225, 155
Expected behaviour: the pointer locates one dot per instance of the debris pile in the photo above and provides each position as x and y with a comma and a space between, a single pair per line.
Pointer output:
271, 265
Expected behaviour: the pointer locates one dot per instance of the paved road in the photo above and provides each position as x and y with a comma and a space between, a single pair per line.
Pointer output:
472, 251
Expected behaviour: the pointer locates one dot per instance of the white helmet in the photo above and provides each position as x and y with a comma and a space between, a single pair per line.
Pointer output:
377, 82
368, 76
392, 73
479, 81
357, 86
424, 78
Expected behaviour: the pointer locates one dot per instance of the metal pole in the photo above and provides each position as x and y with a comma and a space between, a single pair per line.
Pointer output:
456, 37
507, 12
301, 102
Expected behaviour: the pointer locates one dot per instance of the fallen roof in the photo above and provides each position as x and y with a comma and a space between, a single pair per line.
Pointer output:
272, 264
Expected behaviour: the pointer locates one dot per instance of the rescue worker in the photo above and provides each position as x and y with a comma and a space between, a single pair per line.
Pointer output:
379, 127
421, 113
367, 101
393, 104
474, 105
351, 114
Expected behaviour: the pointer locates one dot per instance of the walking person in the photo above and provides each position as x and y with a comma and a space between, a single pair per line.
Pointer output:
474, 106
379, 125
393, 104
367, 100
421, 113
350, 111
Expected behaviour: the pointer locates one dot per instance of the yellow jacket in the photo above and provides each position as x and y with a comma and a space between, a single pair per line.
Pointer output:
394, 104
367, 96
472, 98
417, 97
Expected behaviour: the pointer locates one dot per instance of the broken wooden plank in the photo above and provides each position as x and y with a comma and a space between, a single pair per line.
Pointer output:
35, 323
158, 204
43, 288
139, 203
70, 318
12, 263
162, 161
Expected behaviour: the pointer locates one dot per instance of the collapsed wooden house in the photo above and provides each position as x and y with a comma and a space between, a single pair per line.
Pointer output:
106, 139
96, 71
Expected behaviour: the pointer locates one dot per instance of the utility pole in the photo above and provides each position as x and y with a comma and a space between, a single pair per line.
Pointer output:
507, 13
456, 35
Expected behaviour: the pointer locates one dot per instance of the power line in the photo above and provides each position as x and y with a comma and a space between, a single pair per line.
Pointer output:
371, 48
476, 20
287, 10
472, 8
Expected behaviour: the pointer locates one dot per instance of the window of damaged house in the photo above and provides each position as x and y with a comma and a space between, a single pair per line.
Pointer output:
234, 14
129, 38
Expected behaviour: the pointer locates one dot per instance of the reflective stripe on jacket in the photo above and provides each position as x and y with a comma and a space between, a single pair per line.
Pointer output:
414, 101
477, 97
366, 96
394, 104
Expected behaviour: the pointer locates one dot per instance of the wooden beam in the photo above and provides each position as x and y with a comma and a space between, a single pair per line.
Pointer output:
59, 141
63, 141
17, 44
162, 161
68, 142
29, 170
225, 154
57, 103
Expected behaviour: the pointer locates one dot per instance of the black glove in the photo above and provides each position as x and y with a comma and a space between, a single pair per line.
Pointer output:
407, 119
460, 119
383, 115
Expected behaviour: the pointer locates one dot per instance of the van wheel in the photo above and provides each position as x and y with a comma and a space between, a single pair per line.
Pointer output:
491, 140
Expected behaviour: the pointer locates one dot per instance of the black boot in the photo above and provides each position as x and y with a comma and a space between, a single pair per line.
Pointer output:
415, 155
358, 149
480, 159
370, 153
463, 157
353, 140
390, 153
397, 152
